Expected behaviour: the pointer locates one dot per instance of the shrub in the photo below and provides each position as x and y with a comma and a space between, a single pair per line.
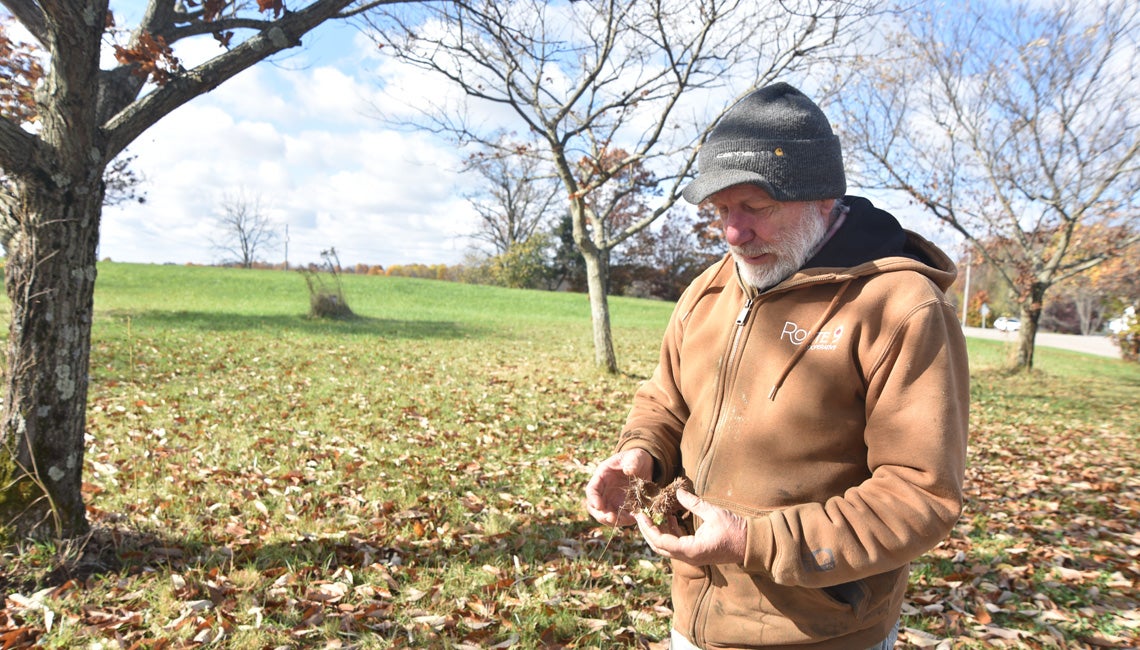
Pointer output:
326, 296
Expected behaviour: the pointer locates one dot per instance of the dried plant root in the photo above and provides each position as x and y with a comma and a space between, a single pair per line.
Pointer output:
655, 501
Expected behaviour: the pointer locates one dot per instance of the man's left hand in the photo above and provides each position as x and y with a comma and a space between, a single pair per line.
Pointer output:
720, 539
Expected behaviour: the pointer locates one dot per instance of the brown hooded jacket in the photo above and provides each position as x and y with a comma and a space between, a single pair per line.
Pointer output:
831, 412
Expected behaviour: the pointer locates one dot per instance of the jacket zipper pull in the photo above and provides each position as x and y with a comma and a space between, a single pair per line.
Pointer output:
744, 312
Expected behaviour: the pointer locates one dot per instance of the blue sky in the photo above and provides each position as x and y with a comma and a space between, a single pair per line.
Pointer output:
298, 134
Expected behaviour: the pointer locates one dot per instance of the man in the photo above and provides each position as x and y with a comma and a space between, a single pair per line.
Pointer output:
813, 386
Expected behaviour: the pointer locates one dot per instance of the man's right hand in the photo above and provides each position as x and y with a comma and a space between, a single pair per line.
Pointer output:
605, 493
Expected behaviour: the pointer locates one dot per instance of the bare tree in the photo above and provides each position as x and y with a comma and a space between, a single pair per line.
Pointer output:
588, 78
245, 230
1013, 125
326, 293
87, 116
517, 200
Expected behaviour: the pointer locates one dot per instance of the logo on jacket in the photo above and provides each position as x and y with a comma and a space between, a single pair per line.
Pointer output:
825, 340
821, 559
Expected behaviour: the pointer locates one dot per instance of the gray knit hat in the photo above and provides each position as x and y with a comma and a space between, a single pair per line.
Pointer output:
776, 138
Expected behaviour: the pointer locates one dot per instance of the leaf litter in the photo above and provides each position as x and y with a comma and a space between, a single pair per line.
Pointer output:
244, 497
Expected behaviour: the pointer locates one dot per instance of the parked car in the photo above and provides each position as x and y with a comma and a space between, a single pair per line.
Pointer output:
1007, 324
1118, 325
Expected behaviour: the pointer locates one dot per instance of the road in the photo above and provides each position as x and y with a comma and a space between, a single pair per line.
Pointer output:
1097, 344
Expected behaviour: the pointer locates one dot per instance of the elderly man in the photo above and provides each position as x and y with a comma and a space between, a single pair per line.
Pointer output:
813, 386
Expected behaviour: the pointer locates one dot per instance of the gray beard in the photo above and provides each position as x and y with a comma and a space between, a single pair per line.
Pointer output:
791, 251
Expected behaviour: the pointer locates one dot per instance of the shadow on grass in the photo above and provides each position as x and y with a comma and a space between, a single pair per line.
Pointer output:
110, 550
111, 555
286, 323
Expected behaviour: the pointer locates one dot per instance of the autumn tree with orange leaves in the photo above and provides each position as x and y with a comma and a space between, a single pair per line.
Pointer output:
54, 174
1091, 299
22, 71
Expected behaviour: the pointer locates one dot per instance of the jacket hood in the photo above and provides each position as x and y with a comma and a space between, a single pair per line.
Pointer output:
872, 241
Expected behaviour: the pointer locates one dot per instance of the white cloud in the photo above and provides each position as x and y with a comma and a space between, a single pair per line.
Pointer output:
298, 137
302, 134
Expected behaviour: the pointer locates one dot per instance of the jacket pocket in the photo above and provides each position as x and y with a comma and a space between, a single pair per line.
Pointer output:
872, 597
745, 610
748, 611
854, 594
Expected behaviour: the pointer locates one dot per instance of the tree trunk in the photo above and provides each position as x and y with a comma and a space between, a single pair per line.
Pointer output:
1030, 318
50, 280
597, 276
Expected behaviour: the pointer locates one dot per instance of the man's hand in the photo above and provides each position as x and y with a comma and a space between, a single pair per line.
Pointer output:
720, 539
605, 493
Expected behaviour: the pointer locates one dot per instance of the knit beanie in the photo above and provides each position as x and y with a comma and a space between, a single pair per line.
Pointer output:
776, 138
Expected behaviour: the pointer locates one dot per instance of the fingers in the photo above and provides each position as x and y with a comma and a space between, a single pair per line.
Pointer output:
688, 499
616, 517
720, 539
606, 477
606, 511
606, 490
696, 505
659, 541
668, 528
602, 516
637, 462
594, 498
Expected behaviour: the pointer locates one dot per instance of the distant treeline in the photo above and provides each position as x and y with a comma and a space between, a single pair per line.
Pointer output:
634, 280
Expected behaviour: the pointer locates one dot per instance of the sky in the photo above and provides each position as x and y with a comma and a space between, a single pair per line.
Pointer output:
300, 137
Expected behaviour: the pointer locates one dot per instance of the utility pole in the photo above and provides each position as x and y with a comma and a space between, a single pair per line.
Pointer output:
286, 247
966, 292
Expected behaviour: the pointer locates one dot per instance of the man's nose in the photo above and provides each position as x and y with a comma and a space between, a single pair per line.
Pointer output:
737, 230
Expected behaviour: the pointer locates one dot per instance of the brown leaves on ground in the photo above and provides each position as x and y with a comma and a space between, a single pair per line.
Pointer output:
1047, 551
246, 499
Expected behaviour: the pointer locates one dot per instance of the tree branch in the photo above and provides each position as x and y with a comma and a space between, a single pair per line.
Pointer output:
282, 34
17, 147
31, 16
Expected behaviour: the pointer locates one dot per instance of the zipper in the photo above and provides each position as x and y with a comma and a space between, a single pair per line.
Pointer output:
743, 315
727, 370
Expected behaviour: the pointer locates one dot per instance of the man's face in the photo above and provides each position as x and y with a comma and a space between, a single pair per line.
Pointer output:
769, 239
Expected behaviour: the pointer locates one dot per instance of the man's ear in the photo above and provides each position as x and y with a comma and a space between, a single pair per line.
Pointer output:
825, 206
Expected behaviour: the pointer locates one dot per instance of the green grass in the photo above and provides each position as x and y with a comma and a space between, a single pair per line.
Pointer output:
414, 478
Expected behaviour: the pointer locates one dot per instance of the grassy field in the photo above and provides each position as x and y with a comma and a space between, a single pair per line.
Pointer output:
414, 477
